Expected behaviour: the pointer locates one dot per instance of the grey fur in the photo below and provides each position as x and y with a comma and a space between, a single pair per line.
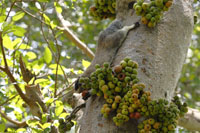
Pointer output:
108, 43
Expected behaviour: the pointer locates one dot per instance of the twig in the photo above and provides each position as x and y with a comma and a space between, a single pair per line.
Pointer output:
74, 38
67, 32
28, 13
7, 71
76, 109
2, 49
8, 100
19, 124
10, 10
2, 69
58, 59
60, 93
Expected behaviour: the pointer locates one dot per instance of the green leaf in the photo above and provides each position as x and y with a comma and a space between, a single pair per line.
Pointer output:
8, 109
46, 18
24, 46
46, 125
18, 115
41, 81
59, 108
85, 63
53, 25
53, 66
18, 31
2, 127
32, 123
16, 42
31, 55
68, 57
21, 130
43, 0
49, 101
58, 7
47, 55
7, 43
2, 18
18, 16
44, 118
63, 115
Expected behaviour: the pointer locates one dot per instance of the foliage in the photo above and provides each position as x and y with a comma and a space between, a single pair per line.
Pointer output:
30, 28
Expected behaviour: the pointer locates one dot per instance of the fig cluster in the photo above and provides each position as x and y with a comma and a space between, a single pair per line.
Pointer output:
162, 116
151, 12
65, 125
103, 9
126, 98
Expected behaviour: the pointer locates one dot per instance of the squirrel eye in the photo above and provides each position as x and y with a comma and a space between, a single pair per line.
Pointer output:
130, 5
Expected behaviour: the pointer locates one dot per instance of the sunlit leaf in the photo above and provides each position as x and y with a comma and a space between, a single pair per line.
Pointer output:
44, 118
49, 101
32, 123
53, 25
59, 108
46, 125
31, 55
47, 55
18, 16
63, 115
2, 18
21, 130
41, 81
24, 46
53, 66
16, 42
7, 43
43, 0
46, 18
85, 63
68, 57
19, 31
2, 127
18, 115
58, 7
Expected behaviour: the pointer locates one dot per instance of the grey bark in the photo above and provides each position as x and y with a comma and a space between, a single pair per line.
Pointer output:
160, 52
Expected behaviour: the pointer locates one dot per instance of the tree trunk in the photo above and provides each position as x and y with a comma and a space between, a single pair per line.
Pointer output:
160, 52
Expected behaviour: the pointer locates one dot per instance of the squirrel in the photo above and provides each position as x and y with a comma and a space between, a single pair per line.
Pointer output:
109, 42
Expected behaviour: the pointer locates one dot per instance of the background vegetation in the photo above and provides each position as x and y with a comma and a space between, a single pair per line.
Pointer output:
31, 28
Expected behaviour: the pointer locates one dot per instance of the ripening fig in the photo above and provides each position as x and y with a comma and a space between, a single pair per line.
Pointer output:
118, 89
104, 88
114, 105
137, 115
147, 127
156, 125
123, 64
118, 69
168, 4
118, 99
145, 6
144, 20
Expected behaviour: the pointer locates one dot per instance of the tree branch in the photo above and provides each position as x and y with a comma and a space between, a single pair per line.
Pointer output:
19, 124
9, 74
74, 39
75, 110
8, 100
191, 120
10, 10
67, 32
